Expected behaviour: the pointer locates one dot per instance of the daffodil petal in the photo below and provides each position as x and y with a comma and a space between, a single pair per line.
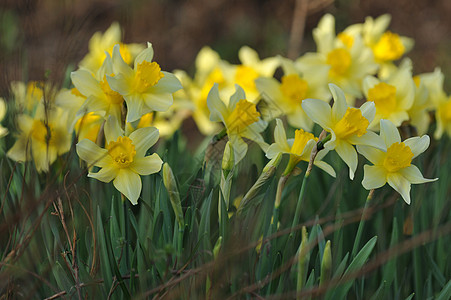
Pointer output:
112, 129
237, 96
218, 110
119, 65
418, 144
158, 102
400, 184
375, 156
389, 133
325, 167
85, 83
239, 147
168, 84
369, 139
143, 139
88, 151
340, 106
273, 150
348, 154
147, 165
135, 105
145, 55
106, 174
413, 175
373, 177
319, 111
119, 83
129, 184
280, 136
368, 110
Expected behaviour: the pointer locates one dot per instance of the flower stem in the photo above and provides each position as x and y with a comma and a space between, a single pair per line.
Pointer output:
127, 230
361, 224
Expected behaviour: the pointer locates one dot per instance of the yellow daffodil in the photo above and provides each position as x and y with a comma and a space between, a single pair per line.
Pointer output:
394, 164
252, 68
101, 43
100, 98
348, 126
298, 148
123, 160
344, 59
70, 100
285, 97
240, 118
438, 100
42, 138
3, 130
392, 97
145, 88
210, 69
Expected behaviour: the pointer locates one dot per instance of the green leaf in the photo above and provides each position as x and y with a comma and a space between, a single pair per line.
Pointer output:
341, 291
445, 292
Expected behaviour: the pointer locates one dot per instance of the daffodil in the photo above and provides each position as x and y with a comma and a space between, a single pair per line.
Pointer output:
386, 45
394, 164
88, 126
298, 148
285, 97
28, 96
3, 130
145, 87
100, 98
210, 69
42, 137
252, 68
101, 43
392, 97
123, 159
348, 126
240, 118
343, 59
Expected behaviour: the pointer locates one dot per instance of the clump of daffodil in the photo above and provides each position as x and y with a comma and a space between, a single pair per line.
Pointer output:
386, 45
42, 138
343, 59
240, 118
285, 97
3, 130
123, 159
394, 164
250, 69
145, 88
298, 148
104, 42
392, 97
347, 126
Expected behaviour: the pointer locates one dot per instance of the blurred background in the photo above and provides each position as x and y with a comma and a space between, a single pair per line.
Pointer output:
45, 39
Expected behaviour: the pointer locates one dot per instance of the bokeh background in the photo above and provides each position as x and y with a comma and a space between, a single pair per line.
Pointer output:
45, 39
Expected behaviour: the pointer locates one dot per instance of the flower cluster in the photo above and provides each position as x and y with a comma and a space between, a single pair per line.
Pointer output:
119, 92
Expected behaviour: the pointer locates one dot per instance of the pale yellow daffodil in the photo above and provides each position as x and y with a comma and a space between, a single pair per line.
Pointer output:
394, 164
252, 68
100, 98
123, 160
240, 118
285, 97
42, 138
298, 148
392, 97
342, 59
145, 88
348, 126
